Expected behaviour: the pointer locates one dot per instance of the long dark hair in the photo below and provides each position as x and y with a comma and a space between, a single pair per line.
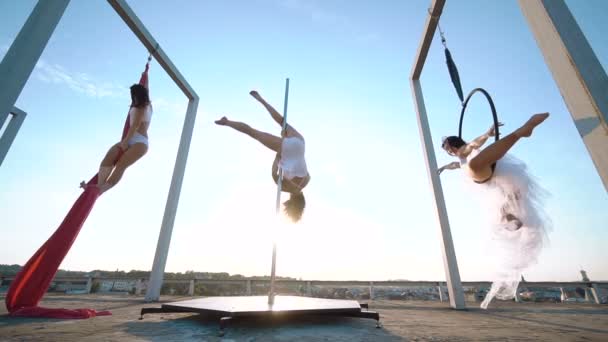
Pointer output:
139, 96
294, 206
453, 141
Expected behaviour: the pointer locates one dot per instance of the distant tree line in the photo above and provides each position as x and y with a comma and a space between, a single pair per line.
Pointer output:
12, 270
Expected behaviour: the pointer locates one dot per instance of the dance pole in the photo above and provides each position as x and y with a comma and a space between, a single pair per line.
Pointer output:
271, 294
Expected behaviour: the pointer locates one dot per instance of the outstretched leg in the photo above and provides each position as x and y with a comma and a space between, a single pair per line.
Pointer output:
267, 139
276, 116
131, 155
106, 166
497, 150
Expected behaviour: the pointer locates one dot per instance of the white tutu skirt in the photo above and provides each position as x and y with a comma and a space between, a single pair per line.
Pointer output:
512, 190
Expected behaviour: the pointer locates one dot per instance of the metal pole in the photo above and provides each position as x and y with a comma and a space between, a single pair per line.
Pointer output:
450, 264
20, 59
164, 238
271, 293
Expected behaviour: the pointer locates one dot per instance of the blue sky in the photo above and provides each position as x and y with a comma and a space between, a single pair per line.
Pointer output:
370, 212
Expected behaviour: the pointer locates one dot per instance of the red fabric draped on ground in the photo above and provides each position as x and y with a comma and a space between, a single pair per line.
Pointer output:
32, 282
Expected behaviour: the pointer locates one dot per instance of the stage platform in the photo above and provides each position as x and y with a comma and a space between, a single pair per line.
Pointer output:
229, 308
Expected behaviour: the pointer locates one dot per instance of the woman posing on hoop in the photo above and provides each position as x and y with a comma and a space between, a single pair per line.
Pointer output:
481, 166
289, 150
515, 201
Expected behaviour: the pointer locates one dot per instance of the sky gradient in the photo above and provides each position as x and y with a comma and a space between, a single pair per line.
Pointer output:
369, 212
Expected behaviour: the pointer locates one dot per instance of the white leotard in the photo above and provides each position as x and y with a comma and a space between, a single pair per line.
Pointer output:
147, 114
292, 160
138, 137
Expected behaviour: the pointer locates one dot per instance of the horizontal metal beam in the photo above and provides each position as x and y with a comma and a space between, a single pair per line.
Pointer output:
126, 13
427, 37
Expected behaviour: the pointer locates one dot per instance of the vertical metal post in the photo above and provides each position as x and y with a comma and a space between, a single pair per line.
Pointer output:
271, 293
20, 59
191, 287
164, 239
578, 73
450, 265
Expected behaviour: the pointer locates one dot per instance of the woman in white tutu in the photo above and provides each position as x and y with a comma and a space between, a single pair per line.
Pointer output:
519, 223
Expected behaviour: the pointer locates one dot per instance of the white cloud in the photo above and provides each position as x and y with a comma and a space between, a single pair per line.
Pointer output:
77, 81
317, 13
321, 15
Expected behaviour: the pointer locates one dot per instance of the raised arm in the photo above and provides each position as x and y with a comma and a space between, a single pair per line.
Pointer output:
481, 140
450, 166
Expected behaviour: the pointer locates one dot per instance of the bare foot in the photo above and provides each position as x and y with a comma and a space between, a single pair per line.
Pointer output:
86, 186
222, 122
255, 94
513, 223
528, 127
104, 187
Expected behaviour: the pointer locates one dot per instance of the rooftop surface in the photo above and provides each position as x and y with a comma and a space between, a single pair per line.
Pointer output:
401, 320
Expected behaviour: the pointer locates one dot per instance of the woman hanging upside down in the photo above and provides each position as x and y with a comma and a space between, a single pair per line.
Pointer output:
289, 150
132, 147
514, 198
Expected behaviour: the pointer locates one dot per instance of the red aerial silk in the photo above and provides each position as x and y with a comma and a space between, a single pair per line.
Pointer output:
32, 282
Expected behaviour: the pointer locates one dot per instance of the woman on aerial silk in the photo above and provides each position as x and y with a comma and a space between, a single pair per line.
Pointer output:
515, 201
132, 147
289, 150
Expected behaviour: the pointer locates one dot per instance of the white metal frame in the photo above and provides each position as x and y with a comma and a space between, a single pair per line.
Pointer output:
166, 230
12, 128
582, 82
450, 264
20, 60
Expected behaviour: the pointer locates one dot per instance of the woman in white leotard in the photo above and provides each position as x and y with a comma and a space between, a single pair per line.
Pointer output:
513, 199
132, 147
289, 148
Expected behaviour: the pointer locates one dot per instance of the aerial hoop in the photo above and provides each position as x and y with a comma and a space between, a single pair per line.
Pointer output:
494, 115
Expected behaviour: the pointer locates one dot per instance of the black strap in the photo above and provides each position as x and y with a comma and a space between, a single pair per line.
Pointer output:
453, 73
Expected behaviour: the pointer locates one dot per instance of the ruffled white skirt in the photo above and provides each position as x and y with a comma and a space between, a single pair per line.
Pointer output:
512, 190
